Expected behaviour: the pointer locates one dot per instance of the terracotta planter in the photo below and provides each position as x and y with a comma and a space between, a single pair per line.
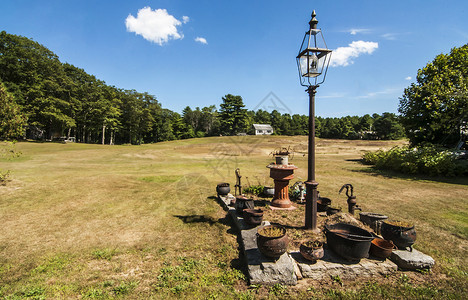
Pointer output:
253, 216
310, 251
272, 245
381, 248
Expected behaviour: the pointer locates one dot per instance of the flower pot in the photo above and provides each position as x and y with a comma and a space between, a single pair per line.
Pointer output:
401, 234
268, 191
312, 250
272, 241
381, 248
333, 210
243, 203
348, 241
281, 159
253, 216
223, 188
323, 204
373, 220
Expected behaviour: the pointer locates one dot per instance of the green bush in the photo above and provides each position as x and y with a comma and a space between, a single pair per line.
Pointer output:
254, 189
427, 160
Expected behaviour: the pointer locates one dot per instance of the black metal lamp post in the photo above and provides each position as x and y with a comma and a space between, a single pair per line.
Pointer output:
312, 62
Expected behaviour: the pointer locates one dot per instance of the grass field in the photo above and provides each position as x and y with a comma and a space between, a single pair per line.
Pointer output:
102, 222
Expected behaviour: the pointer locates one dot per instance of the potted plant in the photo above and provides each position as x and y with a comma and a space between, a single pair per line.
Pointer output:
272, 241
282, 156
312, 250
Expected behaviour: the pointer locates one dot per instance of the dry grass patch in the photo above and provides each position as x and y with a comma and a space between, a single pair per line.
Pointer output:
95, 221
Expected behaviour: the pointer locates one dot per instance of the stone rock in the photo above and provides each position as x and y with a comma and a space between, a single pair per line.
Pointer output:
412, 260
333, 265
263, 270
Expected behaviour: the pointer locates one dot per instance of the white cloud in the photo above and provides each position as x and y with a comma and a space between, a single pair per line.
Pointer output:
185, 19
201, 40
408, 78
355, 31
343, 56
389, 36
155, 25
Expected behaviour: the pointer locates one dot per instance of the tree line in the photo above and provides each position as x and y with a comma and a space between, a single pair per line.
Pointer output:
43, 98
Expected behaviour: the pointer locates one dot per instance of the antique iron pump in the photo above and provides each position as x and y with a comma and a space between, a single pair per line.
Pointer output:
352, 203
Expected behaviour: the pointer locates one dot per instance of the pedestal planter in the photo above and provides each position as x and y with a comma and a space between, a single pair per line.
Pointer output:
281, 175
312, 250
272, 241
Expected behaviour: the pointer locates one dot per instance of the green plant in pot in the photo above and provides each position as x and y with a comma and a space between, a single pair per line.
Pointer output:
272, 241
312, 250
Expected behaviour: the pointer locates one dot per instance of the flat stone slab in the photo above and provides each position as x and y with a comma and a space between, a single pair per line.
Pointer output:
412, 260
333, 265
263, 270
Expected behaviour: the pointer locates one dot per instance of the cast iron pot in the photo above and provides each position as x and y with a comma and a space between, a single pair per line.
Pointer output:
223, 188
373, 220
401, 236
323, 204
268, 191
312, 253
243, 203
272, 246
381, 248
348, 241
253, 216
332, 210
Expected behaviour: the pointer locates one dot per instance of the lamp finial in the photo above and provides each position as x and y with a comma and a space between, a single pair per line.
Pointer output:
313, 22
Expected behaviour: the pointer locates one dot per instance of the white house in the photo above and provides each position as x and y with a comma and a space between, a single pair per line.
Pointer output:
262, 129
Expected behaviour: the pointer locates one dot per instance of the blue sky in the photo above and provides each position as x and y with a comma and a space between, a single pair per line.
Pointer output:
193, 53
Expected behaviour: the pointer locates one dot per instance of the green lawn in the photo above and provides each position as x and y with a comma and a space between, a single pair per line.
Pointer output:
104, 222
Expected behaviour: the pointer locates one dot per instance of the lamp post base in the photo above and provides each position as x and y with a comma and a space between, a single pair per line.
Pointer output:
311, 205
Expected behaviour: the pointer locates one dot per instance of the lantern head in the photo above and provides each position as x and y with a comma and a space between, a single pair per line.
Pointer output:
314, 56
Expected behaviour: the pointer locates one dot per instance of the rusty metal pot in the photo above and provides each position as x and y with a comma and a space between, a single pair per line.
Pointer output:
333, 210
401, 236
312, 253
242, 203
272, 246
381, 248
373, 220
348, 241
323, 204
223, 188
253, 216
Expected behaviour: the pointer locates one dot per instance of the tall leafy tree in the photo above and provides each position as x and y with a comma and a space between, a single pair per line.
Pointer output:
233, 115
12, 120
433, 108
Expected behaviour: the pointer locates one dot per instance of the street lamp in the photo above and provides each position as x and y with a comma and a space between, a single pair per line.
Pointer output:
312, 62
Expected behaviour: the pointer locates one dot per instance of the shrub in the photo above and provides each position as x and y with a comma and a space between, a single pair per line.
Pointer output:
428, 160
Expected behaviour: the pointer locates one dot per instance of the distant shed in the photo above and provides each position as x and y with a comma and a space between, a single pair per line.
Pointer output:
262, 129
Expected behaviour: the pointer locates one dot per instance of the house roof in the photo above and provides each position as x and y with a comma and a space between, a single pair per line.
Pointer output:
262, 127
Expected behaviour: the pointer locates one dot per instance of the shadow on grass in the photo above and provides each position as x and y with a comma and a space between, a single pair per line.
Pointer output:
373, 171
